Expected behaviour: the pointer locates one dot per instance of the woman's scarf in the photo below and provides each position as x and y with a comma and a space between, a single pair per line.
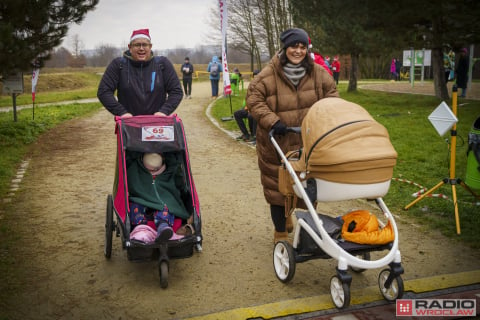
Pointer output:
294, 72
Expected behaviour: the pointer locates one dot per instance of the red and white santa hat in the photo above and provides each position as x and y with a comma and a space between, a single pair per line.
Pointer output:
140, 33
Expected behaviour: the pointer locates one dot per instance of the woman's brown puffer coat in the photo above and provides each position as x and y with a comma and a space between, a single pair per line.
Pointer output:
272, 97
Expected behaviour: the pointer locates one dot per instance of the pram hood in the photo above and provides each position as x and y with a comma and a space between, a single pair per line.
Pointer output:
343, 143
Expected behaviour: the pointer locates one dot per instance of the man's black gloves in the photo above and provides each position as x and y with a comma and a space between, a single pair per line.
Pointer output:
279, 128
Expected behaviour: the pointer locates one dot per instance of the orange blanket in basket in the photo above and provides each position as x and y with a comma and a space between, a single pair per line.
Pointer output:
365, 228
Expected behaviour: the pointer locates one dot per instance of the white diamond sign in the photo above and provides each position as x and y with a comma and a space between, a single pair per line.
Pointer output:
442, 118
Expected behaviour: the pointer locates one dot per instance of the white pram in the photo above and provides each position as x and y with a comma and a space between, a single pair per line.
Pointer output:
346, 155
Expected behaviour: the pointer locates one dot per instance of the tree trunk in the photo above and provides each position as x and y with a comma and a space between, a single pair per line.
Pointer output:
352, 82
439, 81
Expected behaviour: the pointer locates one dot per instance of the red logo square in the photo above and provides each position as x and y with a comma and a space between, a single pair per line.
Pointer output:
404, 308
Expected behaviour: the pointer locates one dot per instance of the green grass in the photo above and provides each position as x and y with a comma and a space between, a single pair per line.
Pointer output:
55, 87
423, 157
225, 107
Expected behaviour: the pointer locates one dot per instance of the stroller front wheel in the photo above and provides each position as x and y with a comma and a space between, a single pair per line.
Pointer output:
163, 270
284, 261
340, 292
392, 291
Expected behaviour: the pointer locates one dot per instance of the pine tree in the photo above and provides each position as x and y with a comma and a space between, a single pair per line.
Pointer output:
30, 29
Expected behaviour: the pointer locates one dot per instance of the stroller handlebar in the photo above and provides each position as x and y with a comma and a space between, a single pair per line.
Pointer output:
116, 118
297, 130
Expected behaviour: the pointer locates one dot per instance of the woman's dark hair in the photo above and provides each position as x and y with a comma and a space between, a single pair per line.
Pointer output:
307, 62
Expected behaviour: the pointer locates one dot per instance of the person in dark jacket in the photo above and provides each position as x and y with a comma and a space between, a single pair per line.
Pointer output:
187, 75
462, 72
145, 85
156, 188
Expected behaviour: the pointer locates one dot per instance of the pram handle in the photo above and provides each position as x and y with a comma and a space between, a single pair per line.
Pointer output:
116, 118
297, 130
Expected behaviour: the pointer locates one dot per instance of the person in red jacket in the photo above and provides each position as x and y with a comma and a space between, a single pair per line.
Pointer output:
317, 57
336, 68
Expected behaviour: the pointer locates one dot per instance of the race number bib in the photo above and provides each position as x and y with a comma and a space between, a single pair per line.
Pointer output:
158, 133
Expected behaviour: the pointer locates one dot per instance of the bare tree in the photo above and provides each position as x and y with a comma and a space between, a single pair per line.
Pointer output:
103, 55
256, 26
77, 45
243, 33
59, 58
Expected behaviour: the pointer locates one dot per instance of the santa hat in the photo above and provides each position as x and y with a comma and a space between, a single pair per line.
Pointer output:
310, 46
141, 33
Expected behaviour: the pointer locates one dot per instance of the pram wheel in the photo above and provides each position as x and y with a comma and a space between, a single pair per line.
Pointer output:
365, 256
340, 292
108, 228
163, 271
394, 290
284, 261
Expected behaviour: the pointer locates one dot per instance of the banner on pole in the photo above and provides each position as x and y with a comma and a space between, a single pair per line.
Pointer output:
35, 74
227, 90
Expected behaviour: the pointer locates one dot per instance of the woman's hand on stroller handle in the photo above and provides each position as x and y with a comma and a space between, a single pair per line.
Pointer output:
297, 130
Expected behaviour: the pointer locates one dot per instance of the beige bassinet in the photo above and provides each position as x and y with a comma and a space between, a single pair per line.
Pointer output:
345, 150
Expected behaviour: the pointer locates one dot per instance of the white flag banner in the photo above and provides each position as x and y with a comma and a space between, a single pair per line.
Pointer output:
227, 90
35, 74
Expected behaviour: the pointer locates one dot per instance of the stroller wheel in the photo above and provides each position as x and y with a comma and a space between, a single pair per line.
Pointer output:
340, 292
365, 256
391, 291
108, 228
163, 271
284, 261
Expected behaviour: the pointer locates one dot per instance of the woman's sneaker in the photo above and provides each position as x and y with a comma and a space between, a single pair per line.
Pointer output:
164, 232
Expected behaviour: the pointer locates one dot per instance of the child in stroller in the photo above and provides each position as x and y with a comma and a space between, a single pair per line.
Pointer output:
156, 187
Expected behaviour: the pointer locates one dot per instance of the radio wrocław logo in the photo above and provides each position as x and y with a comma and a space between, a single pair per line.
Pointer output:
436, 307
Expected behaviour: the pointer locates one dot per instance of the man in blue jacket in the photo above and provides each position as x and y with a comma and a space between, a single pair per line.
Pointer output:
145, 85
215, 68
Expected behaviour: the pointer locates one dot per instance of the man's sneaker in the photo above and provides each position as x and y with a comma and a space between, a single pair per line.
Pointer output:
164, 232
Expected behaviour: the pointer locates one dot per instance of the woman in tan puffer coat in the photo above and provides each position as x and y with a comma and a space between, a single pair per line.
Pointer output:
279, 97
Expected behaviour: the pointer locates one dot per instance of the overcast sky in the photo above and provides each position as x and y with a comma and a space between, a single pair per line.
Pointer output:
172, 23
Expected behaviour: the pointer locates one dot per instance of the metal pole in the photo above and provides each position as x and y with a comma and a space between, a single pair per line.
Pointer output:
412, 66
471, 62
423, 64
14, 100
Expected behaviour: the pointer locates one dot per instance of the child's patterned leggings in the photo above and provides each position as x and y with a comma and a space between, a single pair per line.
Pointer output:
139, 214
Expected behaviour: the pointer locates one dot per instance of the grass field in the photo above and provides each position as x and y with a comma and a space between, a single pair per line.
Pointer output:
423, 155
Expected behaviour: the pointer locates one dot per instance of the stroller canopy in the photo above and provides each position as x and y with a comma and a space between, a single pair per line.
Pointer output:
343, 143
